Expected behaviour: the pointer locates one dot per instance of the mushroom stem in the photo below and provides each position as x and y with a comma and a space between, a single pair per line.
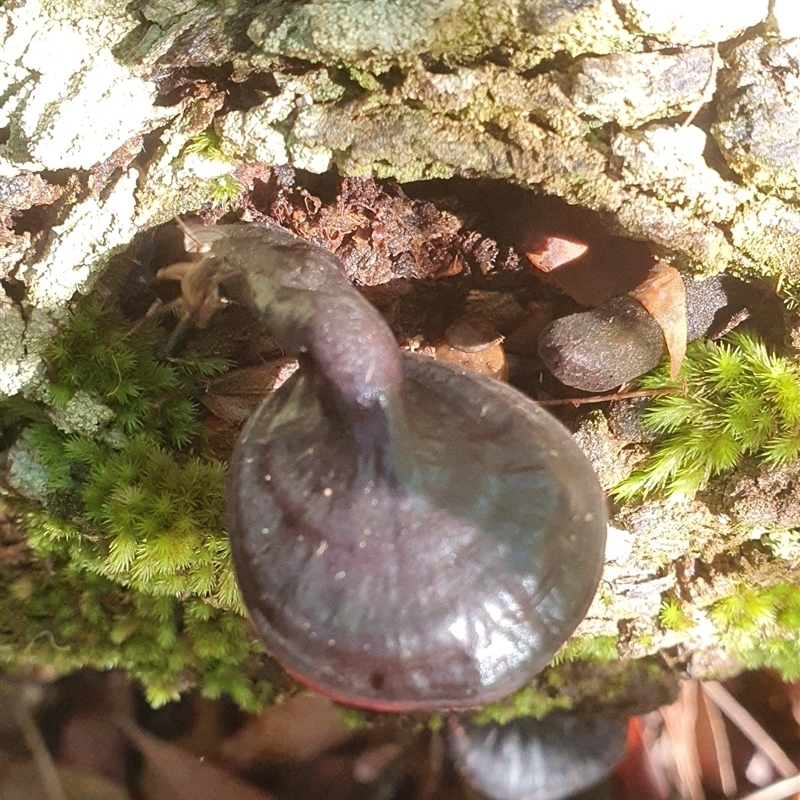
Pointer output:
298, 290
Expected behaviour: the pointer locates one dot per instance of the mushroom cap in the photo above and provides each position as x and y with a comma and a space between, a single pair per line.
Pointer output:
538, 759
444, 579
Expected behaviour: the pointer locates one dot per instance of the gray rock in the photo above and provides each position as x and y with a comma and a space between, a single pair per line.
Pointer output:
631, 88
598, 350
67, 101
667, 162
351, 30
693, 22
759, 114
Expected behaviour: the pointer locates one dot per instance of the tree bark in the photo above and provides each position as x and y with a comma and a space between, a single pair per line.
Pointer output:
679, 129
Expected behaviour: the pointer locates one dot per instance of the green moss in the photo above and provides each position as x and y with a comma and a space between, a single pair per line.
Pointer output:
206, 144
739, 400
789, 290
573, 669
528, 702
633, 687
761, 627
132, 566
672, 616
97, 353
595, 649
354, 718
225, 190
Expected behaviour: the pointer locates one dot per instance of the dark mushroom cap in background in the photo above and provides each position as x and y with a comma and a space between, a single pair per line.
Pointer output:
538, 759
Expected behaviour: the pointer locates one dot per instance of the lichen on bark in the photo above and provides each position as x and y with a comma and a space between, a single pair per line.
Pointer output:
524, 92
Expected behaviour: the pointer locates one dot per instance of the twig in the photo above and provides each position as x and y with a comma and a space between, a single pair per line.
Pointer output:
679, 721
38, 749
722, 746
789, 787
749, 727
605, 398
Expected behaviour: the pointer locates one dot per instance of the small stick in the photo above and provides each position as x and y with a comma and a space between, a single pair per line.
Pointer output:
48, 772
749, 727
722, 746
605, 398
790, 787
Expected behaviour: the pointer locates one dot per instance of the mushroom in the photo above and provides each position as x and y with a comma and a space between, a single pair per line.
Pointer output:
538, 759
407, 535
598, 350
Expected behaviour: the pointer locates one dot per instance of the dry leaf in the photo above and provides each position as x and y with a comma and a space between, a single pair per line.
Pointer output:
552, 252
175, 774
234, 396
524, 339
663, 296
21, 780
299, 728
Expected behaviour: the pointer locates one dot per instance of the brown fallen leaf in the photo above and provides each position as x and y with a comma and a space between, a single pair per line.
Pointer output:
663, 296
524, 339
22, 780
175, 774
552, 252
299, 728
234, 396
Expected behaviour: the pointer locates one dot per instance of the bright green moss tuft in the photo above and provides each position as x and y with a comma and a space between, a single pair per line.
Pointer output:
206, 144
132, 566
99, 353
530, 701
740, 400
673, 617
225, 190
761, 627
596, 649
789, 290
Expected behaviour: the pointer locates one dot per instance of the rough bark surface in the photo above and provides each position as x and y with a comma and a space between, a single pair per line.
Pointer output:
677, 122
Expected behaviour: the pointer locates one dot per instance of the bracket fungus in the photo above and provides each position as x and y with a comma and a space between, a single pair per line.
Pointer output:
407, 535
551, 758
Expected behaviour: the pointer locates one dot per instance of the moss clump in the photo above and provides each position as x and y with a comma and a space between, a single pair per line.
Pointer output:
631, 687
789, 290
672, 616
556, 687
761, 627
594, 649
98, 353
207, 143
739, 400
132, 567
225, 190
